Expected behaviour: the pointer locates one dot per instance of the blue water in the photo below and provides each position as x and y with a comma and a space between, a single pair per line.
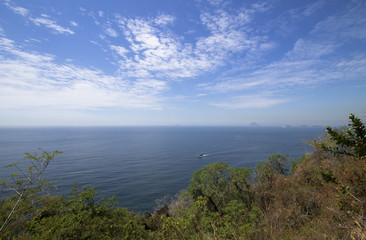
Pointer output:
142, 164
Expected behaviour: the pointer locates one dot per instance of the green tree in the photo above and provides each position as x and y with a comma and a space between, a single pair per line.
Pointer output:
80, 216
26, 186
276, 164
220, 184
350, 142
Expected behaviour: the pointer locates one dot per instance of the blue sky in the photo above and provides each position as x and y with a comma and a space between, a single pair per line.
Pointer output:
175, 62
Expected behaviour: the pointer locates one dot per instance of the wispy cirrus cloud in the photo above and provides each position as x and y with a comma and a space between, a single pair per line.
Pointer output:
164, 19
18, 10
111, 32
156, 51
73, 23
120, 50
44, 20
229, 35
288, 21
215, 2
250, 101
34, 80
153, 50
310, 62
51, 24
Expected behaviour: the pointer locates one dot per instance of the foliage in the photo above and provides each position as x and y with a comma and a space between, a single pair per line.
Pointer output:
79, 216
352, 141
298, 162
26, 186
276, 164
219, 184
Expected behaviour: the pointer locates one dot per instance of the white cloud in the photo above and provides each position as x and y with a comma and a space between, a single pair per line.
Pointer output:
18, 10
35, 81
154, 50
33, 40
350, 25
215, 2
228, 34
308, 49
288, 21
51, 24
120, 50
111, 32
73, 23
310, 62
158, 52
250, 101
164, 19
294, 73
261, 7
43, 20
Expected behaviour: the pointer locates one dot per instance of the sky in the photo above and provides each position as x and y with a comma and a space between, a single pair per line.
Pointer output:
182, 62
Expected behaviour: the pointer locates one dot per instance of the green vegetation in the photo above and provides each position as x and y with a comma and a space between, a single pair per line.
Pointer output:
321, 195
352, 141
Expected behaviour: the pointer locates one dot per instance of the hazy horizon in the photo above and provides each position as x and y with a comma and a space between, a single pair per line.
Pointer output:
174, 125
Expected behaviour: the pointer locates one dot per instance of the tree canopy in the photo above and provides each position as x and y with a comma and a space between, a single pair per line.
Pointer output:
350, 142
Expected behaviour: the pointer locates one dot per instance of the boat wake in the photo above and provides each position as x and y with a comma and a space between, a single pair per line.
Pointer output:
201, 155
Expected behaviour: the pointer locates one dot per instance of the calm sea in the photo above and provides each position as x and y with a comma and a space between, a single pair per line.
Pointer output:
142, 164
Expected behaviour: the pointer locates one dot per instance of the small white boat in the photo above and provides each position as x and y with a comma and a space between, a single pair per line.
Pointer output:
201, 155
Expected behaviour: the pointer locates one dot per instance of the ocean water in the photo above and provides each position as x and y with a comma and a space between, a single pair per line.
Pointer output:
142, 164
